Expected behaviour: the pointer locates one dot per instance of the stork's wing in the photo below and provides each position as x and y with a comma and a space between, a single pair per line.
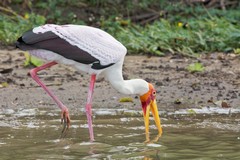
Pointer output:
83, 44
98, 43
50, 41
31, 38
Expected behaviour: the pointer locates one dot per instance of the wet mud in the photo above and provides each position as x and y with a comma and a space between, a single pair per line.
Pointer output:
177, 88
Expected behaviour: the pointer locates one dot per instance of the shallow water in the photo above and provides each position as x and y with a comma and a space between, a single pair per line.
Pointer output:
32, 134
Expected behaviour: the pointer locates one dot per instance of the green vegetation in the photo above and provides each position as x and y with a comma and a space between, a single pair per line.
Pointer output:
195, 67
126, 99
4, 85
236, 51
153, 27
32, 60
12, 27
199, 36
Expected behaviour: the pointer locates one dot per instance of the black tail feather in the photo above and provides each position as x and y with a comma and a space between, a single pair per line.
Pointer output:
22, 45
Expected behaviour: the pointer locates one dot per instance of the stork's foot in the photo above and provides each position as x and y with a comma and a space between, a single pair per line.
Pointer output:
65, 120
148, 141
147, 138
156, 138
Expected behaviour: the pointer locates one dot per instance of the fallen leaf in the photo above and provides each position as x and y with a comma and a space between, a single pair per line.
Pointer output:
195, 67
196, 86
126, 99
177, 101
210, 100
225, 105
36, 62
32, 60
4, 85
222, 104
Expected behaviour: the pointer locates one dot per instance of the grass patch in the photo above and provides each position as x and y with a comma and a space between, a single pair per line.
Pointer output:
180, 29
198, 36
12, 27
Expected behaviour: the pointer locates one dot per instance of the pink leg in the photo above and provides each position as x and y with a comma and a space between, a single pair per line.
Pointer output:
65, 115
89, 106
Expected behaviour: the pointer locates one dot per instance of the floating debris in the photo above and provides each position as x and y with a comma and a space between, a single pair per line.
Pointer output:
207, 110
191, 111
154, 145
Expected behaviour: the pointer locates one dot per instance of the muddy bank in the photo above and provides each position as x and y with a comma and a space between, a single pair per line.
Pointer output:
176, 87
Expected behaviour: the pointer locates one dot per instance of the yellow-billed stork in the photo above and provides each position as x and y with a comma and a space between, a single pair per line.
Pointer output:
90, 50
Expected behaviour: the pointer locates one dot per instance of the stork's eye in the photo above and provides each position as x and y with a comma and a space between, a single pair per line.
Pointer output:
154, 93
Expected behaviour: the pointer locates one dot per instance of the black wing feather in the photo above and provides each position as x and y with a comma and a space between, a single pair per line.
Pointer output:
50, 41
31, 38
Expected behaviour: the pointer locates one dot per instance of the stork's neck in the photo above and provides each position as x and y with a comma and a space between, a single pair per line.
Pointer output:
133, 86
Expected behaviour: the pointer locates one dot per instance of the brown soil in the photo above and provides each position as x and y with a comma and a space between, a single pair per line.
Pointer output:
177, 88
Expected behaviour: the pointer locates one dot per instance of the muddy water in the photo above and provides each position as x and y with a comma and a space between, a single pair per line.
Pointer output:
34, 134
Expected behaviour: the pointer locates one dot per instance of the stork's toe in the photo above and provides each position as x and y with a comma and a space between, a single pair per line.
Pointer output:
65, 120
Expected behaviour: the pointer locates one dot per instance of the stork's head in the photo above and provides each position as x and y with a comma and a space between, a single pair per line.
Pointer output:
148, 101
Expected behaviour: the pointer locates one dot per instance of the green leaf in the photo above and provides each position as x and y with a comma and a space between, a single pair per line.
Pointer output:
237, 51
27, 59
126, 99
195, 67
3, 85
35, 61
32, 60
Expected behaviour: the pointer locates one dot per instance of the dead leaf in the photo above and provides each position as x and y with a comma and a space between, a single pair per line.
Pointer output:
210, 100
225, 105
177, 101
222, 104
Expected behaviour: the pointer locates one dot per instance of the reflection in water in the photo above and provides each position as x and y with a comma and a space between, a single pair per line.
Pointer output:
36, 137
